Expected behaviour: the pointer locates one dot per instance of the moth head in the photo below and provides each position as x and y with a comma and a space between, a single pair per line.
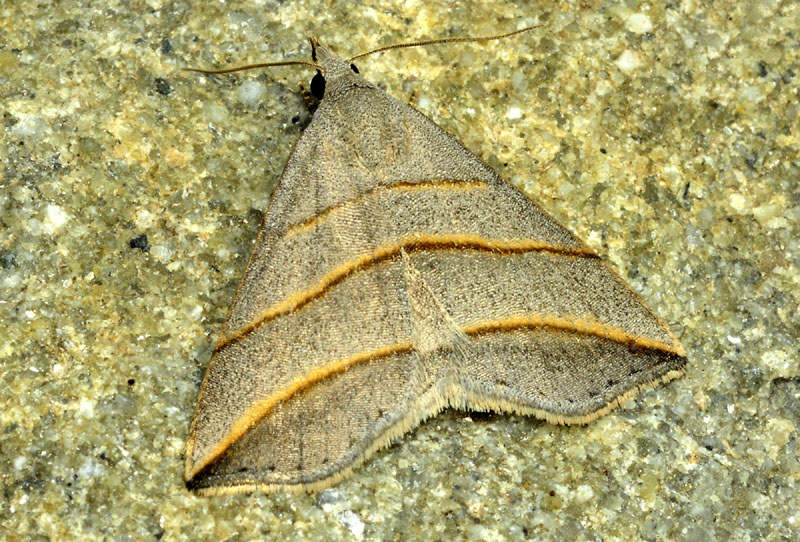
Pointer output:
331, 67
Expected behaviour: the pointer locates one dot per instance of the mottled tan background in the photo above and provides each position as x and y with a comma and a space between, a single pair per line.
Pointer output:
664, 134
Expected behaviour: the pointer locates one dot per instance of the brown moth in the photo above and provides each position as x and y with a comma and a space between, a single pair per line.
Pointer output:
395, 275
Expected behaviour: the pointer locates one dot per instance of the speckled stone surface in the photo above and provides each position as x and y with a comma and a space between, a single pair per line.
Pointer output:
666, 135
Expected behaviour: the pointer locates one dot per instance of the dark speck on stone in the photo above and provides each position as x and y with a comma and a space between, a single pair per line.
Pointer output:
327, 496
69, 26
166, 46
140, 242
162, 86
784, 397
8, 260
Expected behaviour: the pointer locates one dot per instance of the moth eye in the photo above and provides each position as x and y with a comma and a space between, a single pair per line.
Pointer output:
318, 86
353, 67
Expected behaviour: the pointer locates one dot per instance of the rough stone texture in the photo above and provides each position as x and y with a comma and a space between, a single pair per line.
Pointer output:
664, 134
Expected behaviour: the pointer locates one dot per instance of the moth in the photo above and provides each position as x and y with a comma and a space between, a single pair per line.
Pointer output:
395, 275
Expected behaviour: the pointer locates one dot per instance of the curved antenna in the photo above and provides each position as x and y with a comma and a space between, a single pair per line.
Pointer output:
253, 66
443, 40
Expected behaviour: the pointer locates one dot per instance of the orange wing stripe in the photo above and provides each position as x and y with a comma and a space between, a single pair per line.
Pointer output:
415, 243
581, 326
445, 184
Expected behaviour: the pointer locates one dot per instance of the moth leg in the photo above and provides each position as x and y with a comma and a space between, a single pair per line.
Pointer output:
311, 101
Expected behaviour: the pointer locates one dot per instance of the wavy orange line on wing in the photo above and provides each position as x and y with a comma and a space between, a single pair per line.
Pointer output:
260, 409
412, 243
583, 326
445, 184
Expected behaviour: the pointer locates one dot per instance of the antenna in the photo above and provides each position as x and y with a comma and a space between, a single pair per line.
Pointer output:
360, 55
